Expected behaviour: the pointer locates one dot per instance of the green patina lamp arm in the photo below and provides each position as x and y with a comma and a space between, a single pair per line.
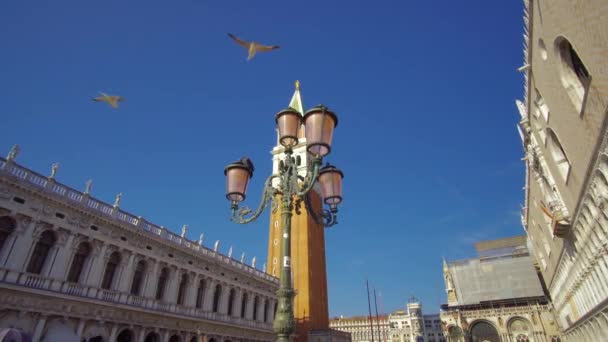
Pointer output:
326, 217
240, 215
311, 178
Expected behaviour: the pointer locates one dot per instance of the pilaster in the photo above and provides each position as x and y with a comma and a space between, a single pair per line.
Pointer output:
223, 306
80, 328
21, 247
126, 274
151, 280
38, 329
238, 302
171, 290
209, 291
60, 264
113, 333
190, 292
250, 307
97, 267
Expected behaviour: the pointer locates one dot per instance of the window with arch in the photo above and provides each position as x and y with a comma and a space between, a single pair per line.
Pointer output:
265, 317
162, 282
244, 305
152, 337
80, 257
519, 329
484, 332
7, 226
558, 154
574, 74
182, 289
111, 266
41, 252
231, 301
125, 336
216, 297
200, 294
256, 302
138, 278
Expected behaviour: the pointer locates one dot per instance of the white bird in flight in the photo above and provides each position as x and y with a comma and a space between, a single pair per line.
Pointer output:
252, 47
112, 100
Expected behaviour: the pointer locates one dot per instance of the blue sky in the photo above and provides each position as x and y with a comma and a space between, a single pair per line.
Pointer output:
424, 92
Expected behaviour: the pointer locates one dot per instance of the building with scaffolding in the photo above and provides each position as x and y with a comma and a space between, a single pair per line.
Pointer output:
497, 296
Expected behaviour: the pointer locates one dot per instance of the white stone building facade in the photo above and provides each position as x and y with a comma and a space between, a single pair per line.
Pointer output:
361, 329
409, 325
564, 114
413, 326
73, 268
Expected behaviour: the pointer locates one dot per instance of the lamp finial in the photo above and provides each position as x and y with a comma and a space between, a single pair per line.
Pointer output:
297, 85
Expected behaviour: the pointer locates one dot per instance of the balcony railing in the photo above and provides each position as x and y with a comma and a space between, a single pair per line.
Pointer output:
34, 281
101, 208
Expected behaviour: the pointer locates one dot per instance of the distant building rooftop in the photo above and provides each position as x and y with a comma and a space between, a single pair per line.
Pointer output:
502, 247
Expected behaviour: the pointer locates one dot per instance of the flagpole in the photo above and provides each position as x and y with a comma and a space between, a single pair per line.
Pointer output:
369, 308
382, 312
377, 317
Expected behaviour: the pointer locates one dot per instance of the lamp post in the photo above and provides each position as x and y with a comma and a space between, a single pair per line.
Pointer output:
319, 123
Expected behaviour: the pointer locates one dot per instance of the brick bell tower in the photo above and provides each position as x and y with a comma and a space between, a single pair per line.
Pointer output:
307, 245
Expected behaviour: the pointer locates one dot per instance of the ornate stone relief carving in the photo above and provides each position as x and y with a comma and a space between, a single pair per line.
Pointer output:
5, 193
62, 236
78, 221
41, 226
47, 209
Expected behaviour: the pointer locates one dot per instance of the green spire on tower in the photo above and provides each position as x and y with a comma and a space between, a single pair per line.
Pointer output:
296, 100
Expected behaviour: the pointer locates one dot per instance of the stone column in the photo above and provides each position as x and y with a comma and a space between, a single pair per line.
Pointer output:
209, 291
21, 246
80, 328
261, 309
250, 308
22, 224
151, 280
238, 301
223, 305
165, 336
191, 289
171, 290
98, 266
270, 312
126, 275
59, 268
141, 336
113, 333
38, 329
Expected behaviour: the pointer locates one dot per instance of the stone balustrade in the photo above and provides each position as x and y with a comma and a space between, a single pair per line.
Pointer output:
121, 217
63, 287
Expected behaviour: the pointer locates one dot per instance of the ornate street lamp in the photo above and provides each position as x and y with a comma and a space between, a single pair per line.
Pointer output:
319, 124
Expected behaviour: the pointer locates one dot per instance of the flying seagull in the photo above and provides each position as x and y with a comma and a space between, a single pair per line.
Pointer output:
112, 100
252, 47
